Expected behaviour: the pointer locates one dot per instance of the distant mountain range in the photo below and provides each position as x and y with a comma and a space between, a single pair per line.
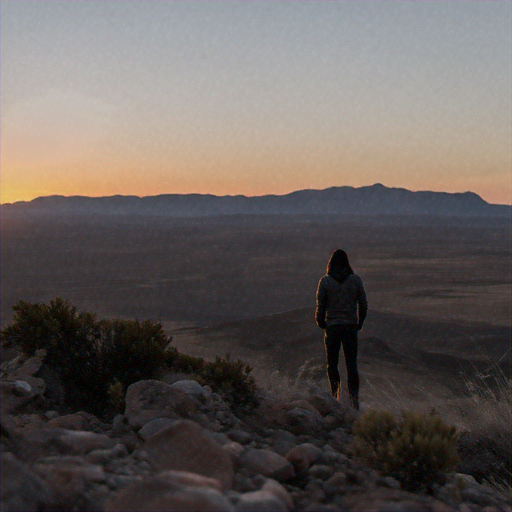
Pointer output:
372, 200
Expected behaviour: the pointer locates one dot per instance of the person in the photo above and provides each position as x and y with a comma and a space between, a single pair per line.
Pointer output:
341, 308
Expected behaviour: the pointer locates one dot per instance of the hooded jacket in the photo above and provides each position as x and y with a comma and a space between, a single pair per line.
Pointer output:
340, 299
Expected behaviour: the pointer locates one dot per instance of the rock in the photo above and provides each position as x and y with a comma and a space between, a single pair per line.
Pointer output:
186, 446
16, 394
267, 463
303, 421
78, 421
240, 436
191, 479
22, 490
339, 439
302, 404
234, 449
163, 492
50, 415
324, 402
104, 456
303, 456
154, 426
68, 479
150, 399
279, 491
190, 387
48, 441
320, 471
258, 501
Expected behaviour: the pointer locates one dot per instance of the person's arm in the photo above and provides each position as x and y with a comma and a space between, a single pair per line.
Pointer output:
362, 304
321, 305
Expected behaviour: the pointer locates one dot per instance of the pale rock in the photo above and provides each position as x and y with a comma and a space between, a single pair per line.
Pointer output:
267, 463
150, 399
159, 494
190, 387
50, 415
303, 456
186, 446
258, 501
21, 489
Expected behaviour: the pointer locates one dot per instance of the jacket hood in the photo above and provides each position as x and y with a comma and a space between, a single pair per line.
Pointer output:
340, 275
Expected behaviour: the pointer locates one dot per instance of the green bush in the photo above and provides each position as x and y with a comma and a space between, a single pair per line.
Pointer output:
418, 450
89, 355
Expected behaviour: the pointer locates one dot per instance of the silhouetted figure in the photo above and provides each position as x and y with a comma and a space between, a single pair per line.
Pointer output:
341, 308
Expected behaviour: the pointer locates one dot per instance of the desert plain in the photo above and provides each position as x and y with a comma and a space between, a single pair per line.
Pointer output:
439, 291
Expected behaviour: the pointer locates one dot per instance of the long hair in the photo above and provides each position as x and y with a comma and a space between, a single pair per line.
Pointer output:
338, 263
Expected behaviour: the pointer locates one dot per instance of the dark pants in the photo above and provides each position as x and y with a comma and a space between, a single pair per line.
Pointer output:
335, 336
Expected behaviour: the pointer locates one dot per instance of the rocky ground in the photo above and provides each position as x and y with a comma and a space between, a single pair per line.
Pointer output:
180, 446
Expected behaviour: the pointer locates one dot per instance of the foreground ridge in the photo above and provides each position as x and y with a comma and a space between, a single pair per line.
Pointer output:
180, 446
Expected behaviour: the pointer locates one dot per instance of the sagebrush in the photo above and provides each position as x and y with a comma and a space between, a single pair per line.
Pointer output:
418, 450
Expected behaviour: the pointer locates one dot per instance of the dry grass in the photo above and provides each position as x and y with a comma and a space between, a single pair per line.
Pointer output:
483, 412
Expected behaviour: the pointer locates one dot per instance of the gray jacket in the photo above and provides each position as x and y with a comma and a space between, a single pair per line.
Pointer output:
340, 301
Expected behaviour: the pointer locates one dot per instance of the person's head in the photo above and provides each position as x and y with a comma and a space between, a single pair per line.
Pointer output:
338, 263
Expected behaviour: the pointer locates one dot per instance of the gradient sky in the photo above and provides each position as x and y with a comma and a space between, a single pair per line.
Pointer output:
254, 97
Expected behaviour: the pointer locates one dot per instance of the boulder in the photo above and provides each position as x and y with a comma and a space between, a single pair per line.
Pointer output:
303, 421
279, 491
150, 399
167, 492
22, 490
78, 421
154, 426
257, 501
186, 446
68, 479
267, 463
190, 387
324, 403
303, 456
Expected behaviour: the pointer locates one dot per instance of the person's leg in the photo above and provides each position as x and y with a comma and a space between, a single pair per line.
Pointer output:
349, 341
332, 342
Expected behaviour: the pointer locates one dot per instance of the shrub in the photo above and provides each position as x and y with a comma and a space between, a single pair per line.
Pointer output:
232, 378
418, 450
90, 356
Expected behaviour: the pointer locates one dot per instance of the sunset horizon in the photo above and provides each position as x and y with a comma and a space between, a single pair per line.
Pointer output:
229, 98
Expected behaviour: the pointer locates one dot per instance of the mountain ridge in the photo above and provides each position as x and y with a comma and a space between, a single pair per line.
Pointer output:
376, 199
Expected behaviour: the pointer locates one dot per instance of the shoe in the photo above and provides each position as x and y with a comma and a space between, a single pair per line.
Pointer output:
354, 400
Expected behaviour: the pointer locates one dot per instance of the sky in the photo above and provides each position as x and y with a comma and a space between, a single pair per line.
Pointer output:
139, 97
